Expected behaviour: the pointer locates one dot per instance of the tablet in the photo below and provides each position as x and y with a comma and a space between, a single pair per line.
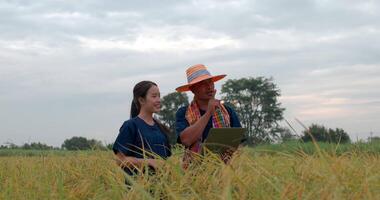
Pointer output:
222, 139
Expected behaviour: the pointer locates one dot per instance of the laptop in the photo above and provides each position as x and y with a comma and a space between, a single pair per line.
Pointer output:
221, 139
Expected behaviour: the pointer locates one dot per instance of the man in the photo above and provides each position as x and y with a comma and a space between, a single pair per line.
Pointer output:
194, 121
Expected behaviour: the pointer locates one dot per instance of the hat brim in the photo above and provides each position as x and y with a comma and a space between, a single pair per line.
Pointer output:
185, 88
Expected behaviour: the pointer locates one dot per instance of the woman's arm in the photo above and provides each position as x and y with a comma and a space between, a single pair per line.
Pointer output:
130, 161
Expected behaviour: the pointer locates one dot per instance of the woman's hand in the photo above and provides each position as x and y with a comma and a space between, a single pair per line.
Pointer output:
155, 163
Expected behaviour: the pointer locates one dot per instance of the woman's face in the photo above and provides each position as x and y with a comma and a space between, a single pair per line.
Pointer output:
152, 101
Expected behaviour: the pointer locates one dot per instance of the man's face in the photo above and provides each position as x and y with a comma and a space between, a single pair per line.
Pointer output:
203, 90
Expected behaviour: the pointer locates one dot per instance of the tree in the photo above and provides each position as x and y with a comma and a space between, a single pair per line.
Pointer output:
322, 134
96, 144
11, 145
169, 106
286, 135
36, 146
374, 139
319, 133
81, 143
256, 102
339, 136
109, 146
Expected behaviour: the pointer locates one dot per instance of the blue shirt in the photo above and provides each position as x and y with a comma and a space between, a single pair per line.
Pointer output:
135, 135
182, 123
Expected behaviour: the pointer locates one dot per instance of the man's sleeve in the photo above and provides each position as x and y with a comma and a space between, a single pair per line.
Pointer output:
234, 119
181, 122
235, 122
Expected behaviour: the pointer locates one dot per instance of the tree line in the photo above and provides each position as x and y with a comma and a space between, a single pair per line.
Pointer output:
255, 100
74, 143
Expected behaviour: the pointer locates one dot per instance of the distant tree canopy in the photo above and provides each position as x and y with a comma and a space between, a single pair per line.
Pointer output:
9, 145
286, 135
169, 106
82, 143
28, 146
109, 146
36, 146
374, 139
255, 100
322, 134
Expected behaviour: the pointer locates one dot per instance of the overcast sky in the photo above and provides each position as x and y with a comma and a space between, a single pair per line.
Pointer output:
67, 68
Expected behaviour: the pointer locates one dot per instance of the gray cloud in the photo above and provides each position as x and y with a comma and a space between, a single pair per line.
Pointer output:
68, 69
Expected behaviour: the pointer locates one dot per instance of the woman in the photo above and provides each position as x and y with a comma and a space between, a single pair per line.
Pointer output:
142, 138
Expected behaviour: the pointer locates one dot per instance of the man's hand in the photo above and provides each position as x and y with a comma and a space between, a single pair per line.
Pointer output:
212, 104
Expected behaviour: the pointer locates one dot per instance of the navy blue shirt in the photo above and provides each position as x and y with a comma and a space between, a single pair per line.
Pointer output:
182, 123
135, 135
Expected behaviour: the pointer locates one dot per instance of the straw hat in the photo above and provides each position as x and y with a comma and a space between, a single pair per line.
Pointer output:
196, 74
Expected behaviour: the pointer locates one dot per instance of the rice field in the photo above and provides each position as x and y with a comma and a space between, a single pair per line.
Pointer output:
264, 172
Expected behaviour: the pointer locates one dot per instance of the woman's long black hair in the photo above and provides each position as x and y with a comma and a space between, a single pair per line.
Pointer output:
140, 91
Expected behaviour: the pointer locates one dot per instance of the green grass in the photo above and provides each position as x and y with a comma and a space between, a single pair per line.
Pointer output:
311, 148
266, 172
